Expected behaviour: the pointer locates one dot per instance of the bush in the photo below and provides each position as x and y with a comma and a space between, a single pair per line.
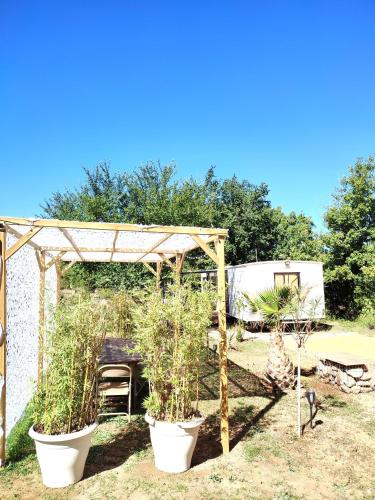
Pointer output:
121, 304
171, 334
367, 319
19, 444
66, 400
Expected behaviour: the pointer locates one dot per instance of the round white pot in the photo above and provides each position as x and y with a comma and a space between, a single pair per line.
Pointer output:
62, 457
173, 443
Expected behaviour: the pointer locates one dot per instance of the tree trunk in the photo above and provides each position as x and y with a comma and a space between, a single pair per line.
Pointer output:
280, 369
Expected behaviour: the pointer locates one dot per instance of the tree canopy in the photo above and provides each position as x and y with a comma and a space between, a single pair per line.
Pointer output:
152, 195
350, 243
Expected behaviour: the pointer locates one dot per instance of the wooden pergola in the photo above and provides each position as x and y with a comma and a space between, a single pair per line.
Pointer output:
57, 241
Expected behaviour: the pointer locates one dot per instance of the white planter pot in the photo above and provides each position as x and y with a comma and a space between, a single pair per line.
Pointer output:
62, 457
173, 443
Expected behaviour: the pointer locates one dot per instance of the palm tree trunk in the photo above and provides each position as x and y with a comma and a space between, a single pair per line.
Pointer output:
280, 369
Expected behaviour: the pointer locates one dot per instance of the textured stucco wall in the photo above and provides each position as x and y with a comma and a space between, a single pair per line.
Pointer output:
22, 286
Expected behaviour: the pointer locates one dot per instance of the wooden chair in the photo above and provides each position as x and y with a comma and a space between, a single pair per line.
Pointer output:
115, 384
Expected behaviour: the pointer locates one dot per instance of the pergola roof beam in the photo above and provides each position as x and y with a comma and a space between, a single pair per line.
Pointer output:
21, 242
150, 268
72, 242
66, 268
106, 250
114, 245
206, 248
114, 226
154, 246
54, 260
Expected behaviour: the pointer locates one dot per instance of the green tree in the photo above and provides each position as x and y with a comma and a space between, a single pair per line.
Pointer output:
245, 210
152, 195
296, 239
350, 252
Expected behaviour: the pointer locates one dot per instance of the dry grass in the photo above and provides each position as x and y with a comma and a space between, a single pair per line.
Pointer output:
334, 460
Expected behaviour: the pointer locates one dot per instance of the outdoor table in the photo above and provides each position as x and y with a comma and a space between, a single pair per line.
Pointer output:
116, 351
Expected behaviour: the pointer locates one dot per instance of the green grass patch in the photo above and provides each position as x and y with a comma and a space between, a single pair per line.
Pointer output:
19, 443
332, 402
252, 452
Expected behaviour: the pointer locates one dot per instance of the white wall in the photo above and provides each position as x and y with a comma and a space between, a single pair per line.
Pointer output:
22, 287
254, 277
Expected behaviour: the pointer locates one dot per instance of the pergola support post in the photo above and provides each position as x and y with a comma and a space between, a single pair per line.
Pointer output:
178, 268
223, 346
42, 292
159, 267
58, 280
2, 344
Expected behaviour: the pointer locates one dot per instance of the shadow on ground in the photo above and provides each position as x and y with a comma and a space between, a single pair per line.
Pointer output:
241, 382
133, 438
245, 420
130, 439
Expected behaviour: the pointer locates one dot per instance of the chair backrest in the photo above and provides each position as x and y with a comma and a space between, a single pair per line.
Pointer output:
115, 371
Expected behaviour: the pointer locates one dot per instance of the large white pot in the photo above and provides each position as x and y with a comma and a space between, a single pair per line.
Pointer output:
62, 457
173, 443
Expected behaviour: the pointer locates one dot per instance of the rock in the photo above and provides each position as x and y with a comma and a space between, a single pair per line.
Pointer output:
355, 389
366, 376
355, 372
367, 389
364, 383
347, 379
345, 389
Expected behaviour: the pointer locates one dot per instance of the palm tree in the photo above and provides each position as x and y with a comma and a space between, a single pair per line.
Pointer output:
274, 304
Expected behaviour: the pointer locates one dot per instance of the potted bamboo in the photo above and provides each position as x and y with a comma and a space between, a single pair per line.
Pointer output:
170, 332
65, 405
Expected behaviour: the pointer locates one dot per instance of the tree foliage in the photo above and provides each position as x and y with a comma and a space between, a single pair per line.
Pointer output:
350, 243
152, 195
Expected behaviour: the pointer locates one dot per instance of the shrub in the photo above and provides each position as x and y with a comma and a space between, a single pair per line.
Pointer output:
66, 400
171, 333
121, 304
19, 444
367, 319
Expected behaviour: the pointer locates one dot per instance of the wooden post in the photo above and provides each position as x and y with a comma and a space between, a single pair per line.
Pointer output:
159, 266
58, 280
223, 346
2, 345
178, 268
42, 292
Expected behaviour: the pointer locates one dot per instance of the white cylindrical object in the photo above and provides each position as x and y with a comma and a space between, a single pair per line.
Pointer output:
62, 457
173, 443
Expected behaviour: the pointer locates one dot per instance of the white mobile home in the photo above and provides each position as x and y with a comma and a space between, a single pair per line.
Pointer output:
254, 277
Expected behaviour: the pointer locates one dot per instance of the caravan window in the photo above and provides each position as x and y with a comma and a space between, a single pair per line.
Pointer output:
286, 279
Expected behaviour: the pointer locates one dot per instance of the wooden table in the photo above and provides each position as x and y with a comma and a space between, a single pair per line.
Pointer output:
116, 351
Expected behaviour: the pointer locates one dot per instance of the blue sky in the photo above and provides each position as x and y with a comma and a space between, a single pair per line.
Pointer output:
274, 91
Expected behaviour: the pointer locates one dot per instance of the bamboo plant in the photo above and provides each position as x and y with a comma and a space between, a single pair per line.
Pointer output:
66, 400
170, 332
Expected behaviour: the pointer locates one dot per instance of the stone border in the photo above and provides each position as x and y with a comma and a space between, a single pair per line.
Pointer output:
350, 377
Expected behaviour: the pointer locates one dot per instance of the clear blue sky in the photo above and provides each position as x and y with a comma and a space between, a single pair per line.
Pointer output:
274, 91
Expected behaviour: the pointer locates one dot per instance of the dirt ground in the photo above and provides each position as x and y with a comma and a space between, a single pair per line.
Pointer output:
334, 460
357, 345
